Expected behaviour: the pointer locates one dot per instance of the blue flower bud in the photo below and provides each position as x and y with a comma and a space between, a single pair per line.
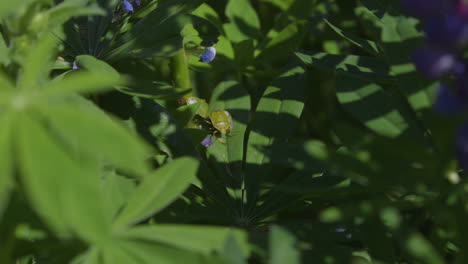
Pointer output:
449, 32
449, 102
433, 62
127, 7
423, 8
462, 146
207, 141
209, 55
75, 66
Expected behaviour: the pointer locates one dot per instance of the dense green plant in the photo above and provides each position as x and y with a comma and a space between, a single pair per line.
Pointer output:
117, 144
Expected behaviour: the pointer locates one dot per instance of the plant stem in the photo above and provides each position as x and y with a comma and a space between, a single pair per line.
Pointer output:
180, 73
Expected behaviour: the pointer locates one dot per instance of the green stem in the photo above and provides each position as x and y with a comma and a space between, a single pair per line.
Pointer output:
180, 73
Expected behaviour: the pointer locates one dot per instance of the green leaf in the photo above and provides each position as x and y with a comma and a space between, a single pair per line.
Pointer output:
144, 252
207, 12
282, 247
115, 190
62, 12
295, 187
184, 114
95, 75
38, 62
62, 191
6, 161
280, 45
81, 82
422, 250
245, 23
157, 34
93, 64
201, 239
244, 53
376, 108
224, 60
88, 130
359, 66
158, 190
232, 251
230, 96
115, 254
200, 32
367, 45
4, 50
152, 89
281, 4
274, 120
9, 6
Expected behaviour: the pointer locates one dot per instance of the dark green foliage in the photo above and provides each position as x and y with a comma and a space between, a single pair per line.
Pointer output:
334, 155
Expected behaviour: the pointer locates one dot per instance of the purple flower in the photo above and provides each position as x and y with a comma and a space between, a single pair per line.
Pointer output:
209, 55
127, 6
448, 32
423, 8
433, 62
75, 66
449, 102
461, 7
462, 146
207, 141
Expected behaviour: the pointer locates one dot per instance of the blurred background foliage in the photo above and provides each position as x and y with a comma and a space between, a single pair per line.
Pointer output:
335, 154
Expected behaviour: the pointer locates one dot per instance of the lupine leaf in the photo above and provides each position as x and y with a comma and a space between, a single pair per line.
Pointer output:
158, 190
202, 239
281, 103
245, 23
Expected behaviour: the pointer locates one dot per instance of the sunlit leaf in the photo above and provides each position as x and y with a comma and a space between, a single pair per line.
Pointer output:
158, 190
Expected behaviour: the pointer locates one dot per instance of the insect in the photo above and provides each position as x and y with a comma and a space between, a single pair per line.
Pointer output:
218, 123
221, 120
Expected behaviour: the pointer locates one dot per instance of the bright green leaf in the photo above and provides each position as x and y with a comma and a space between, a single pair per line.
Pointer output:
158, 190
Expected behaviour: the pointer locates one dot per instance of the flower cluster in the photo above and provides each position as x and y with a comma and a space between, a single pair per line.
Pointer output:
445, 24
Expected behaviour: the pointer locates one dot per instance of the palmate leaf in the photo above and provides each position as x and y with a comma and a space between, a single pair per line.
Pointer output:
379, 110
157, 34
230, 96
158, 190
370, 68
280, 45
282, 103
400, 37
369, 46
62, 192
